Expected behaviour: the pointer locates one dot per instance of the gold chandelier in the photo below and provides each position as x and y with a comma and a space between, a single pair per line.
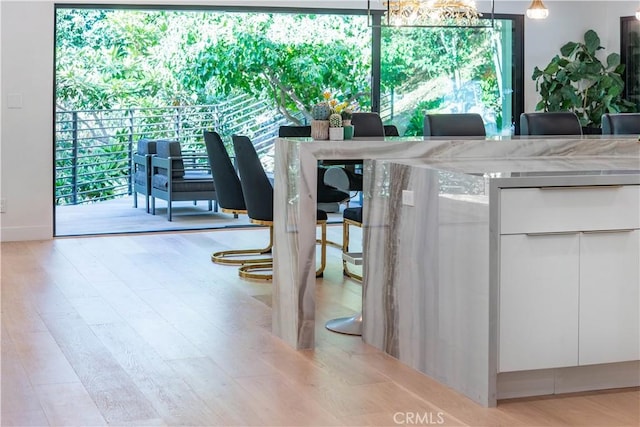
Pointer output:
431, 13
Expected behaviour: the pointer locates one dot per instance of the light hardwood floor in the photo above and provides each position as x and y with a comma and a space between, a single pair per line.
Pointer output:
139, 330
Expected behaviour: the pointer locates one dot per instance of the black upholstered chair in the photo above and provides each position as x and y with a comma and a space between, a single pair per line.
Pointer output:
329, 197
230, 200
290, 131
179, 178
351, 325
550, 123
364, 125
391, 130
350, 217
141, 170
258, 196
456, 124
621, 124
367, 125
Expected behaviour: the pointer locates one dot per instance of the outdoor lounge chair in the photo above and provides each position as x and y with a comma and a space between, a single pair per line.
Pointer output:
179, 178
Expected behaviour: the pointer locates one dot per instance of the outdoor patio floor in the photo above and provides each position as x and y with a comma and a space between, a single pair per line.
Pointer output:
119, 216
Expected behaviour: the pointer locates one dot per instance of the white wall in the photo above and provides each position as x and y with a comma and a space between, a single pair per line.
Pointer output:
26, 144
26, 72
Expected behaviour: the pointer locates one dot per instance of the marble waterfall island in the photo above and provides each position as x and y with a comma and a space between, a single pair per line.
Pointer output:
294, 209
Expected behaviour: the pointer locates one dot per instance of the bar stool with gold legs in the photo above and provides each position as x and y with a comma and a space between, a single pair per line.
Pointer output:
350, 217
258, 197
230, 200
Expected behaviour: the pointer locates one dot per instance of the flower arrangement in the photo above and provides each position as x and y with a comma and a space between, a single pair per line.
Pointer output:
329, 113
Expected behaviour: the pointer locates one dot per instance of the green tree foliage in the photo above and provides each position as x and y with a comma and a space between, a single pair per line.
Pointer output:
119, 59
289, 60
423, 66
123, 58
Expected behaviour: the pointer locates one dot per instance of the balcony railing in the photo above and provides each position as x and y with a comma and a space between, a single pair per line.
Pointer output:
94, 147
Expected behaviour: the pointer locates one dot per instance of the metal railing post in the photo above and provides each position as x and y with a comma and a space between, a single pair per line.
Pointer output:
177, 123
74, 158
130, 150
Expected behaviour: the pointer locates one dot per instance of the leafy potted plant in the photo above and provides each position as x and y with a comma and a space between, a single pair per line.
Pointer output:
346, 111
576, 80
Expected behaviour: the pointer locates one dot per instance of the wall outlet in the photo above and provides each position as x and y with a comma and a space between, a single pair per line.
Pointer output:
407, 198
3, 205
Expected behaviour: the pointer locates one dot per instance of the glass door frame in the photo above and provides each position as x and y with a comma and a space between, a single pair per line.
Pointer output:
627, 25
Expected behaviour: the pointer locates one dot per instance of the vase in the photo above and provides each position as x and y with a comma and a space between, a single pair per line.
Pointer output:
348, 132
320, 129
336, 134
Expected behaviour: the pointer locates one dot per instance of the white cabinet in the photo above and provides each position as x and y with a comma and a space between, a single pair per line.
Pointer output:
569, 290
609, 297
538, 301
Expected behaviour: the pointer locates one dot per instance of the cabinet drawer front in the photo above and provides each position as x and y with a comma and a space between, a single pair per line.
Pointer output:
553, 209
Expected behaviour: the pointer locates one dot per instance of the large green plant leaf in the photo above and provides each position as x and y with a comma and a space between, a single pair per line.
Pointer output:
552, 68
592, 41
613, 60
569, 48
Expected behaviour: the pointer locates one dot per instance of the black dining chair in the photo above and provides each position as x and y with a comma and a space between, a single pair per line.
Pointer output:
621, 124
367, 124
550, 123
230, 200
258, 196
391, 130
454, 124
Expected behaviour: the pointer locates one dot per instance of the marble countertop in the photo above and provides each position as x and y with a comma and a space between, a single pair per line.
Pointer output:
548, 166
496, 147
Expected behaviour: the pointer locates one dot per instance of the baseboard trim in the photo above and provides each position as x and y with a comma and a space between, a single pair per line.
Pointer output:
18, 234
568, 380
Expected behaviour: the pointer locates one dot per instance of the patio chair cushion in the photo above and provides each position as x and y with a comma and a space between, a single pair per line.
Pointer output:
166, 148
145, 146
190, 182
140, 177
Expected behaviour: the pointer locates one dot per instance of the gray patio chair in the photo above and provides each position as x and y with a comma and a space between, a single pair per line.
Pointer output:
177, 177
141, 170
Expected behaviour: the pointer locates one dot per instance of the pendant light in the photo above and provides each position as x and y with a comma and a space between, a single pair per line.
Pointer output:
537, 10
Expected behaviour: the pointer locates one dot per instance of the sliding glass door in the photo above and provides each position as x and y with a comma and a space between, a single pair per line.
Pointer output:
452, 70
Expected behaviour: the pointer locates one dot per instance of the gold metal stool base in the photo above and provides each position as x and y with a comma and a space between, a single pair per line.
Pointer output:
229, 257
